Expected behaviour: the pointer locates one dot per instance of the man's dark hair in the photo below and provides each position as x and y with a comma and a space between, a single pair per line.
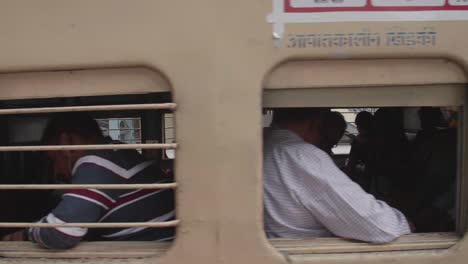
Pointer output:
389, 118
431, 117
364, 120
332, 128
78, 123
281, 115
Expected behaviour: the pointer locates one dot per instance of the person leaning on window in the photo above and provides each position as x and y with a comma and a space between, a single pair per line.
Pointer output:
92, 205
307, 195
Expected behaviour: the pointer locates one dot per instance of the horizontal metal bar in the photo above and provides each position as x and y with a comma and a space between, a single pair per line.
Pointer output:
89, 147
40, 110
87, 186
172, 223
119, 129
118, 118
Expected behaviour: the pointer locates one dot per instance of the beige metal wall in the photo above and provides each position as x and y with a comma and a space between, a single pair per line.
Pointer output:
215, 54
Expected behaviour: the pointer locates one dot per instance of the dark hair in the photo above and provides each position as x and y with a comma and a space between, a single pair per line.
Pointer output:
281, 115
332, 128
364, 120
388, 120
430, 117
78, 123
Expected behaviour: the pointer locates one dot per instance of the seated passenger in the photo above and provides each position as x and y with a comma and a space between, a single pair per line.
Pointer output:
434, 159
431, 120
360, 151
333, 126
306, 195
388, 162
91, 205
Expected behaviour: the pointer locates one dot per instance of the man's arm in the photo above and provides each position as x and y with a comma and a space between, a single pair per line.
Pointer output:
77, 206
341, 205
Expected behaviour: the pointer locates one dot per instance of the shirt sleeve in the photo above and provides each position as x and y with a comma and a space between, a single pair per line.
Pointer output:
341, 205
76, 206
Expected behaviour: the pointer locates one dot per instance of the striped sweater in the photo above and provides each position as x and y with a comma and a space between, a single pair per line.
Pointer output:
91, 205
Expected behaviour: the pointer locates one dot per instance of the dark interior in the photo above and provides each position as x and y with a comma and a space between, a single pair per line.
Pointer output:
409, 160
34, 168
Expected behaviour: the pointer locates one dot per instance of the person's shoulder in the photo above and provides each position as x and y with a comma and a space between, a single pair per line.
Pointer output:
98, 158
125, 158
305, 153
286, 143
92, 169
302, 148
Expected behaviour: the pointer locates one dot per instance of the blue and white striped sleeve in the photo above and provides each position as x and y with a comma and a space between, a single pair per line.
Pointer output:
76, 206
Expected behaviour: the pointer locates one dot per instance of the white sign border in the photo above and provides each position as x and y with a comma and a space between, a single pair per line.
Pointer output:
279, 18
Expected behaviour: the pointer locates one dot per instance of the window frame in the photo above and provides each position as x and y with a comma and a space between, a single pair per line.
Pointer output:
437, 95
315, 84
81, 83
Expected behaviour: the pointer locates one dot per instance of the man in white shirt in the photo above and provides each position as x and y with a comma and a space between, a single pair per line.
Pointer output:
306, 195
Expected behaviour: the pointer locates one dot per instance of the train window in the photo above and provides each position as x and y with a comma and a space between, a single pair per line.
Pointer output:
124, 129
408, 153
31, 179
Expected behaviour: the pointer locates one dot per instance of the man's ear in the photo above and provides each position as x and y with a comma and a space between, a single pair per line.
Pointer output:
315, 131
315, 125
75, 139
64, 139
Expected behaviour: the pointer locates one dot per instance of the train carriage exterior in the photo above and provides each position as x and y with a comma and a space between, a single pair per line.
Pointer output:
223, 62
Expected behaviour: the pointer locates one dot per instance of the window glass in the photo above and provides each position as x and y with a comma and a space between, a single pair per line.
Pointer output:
125, 129
169, 136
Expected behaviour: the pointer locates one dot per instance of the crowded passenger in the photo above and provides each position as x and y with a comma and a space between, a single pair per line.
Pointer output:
388, 162
307, 195
434, 160
92, 205
332, 129
431, 120
360, 151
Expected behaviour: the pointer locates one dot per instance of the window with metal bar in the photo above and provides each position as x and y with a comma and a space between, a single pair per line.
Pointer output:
129, 122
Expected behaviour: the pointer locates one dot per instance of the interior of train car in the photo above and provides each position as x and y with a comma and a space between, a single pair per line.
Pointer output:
405, 156
33, 167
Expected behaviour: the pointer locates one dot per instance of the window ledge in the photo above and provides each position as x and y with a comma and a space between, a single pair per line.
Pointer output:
123, 249
127, 249
423, 241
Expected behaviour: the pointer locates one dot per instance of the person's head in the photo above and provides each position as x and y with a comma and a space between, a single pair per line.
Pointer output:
431, 117
388, 120
305, 122
332, 128
69, 129
364, 122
